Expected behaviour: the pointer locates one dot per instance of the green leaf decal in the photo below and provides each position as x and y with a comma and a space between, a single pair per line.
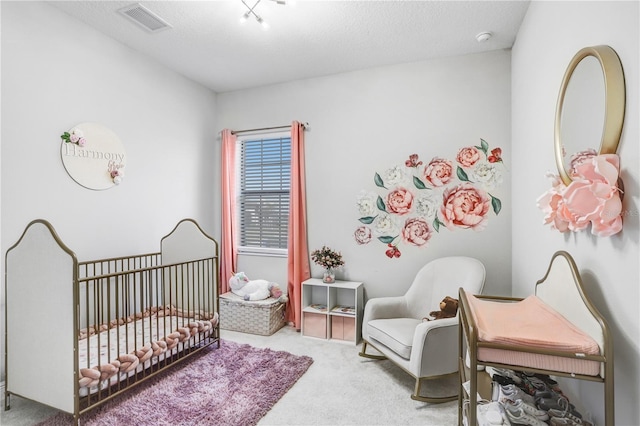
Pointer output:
419, 184
436, 224
386, 239
462, 175
378, 180
380, 204
496, 204
367, 220
484, 146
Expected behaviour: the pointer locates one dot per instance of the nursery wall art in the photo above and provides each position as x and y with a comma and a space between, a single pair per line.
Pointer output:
93, 156
587, 191
413, 200
593, 198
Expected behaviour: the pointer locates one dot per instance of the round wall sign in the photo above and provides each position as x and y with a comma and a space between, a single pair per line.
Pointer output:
93, 156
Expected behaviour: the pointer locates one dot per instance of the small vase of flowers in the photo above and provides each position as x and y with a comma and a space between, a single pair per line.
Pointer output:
329, 260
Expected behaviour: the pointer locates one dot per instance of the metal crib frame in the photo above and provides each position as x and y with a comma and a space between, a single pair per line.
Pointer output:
109, 293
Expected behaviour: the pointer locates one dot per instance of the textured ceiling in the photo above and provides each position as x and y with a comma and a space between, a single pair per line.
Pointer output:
208, 44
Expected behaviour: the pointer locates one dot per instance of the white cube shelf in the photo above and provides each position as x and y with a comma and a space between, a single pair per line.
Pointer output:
332, 311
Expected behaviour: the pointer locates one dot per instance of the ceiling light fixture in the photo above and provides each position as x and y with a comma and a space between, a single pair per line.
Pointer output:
484, 36
251, 11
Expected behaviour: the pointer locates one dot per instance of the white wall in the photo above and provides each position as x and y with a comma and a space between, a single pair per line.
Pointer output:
364, 122
56, 73
609, 266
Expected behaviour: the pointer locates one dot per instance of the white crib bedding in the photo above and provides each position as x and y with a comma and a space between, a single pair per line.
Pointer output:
133, 346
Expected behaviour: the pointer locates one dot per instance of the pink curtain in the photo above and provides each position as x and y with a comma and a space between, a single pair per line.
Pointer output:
298, 253
229, 255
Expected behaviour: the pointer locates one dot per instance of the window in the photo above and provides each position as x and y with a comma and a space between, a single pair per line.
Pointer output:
263, 196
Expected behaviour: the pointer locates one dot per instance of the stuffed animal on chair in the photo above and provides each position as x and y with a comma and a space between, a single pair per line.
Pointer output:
248, 289
448, 309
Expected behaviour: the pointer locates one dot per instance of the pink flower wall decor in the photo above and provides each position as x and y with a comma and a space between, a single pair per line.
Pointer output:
468, 157
465, 206
413, 201
592, 197
399, 201
439, 172
76, 136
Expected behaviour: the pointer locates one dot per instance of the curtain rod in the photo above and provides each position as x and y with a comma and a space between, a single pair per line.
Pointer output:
235, 132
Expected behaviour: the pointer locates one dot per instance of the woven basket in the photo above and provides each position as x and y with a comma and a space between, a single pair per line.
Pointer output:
263, 317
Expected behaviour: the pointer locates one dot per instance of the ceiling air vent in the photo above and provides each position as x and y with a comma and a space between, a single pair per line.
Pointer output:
144, 18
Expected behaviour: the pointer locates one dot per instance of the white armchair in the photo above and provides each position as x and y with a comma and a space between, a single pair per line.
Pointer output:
394, 326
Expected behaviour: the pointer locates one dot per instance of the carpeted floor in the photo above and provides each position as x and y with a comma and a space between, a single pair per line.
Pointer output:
339, 388
342, 388
233, 385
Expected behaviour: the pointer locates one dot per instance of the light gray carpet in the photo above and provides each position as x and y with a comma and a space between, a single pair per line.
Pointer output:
340, 388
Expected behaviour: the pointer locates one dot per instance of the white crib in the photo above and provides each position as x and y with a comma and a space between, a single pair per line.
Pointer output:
80, 332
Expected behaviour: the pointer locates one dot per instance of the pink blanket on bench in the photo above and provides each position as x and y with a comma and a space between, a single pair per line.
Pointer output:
529, 322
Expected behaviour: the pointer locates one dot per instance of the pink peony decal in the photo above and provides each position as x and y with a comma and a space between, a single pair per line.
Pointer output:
465, 206
416, 231
468, 157
592, 198
438, 172
363, 235
399, 201
445, 193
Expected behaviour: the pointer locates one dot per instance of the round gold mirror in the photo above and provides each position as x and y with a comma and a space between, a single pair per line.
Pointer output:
590, 108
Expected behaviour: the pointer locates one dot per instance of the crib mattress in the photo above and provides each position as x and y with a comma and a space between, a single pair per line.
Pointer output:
123, 350
532, 323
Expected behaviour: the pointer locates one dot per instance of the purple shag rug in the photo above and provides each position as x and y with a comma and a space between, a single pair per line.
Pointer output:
236, 384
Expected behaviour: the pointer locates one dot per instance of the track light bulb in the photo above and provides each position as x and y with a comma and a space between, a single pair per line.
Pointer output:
251, 11
262, 22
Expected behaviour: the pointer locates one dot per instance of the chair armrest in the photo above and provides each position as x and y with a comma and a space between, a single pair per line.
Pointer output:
385, 307
434, 324
435, 347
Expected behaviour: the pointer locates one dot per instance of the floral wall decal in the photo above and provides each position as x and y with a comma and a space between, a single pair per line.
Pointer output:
592, 197
415, 200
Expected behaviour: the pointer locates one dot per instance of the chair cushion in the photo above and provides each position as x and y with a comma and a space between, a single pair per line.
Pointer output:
395, 333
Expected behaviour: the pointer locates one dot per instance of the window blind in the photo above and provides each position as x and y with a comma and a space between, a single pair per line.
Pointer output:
265, 181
